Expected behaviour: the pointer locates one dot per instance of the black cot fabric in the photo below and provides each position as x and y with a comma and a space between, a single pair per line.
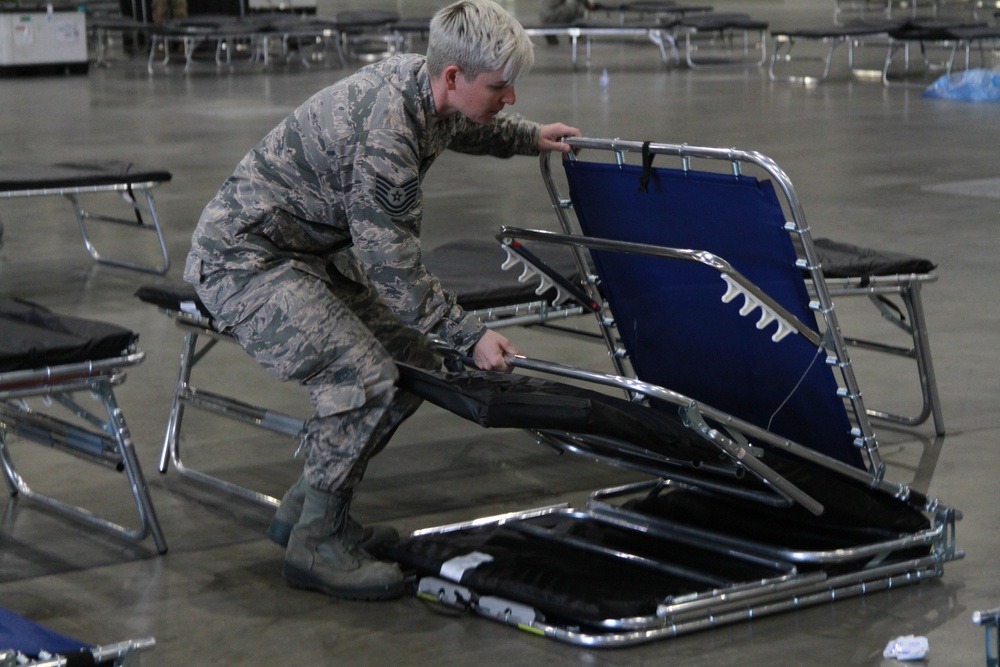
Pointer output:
563, 564
32, 336
857, 28
854, 514
500, 400
931, 30
844, 260
551, 572
174, 296
471, 269
76, 175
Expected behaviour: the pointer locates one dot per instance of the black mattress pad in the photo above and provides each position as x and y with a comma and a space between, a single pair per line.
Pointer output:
32, 336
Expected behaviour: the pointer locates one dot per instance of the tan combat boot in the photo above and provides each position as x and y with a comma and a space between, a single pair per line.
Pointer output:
287, 515
319, 557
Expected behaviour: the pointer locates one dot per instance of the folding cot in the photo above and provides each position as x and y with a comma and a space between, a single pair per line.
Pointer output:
24, 642
656, 32
767, 492
663, 11
251, 38
854, 34
946, 38
47, 361
102, 31
722, 39
878, 275
368, 34
712, 34
74, 179
472, 268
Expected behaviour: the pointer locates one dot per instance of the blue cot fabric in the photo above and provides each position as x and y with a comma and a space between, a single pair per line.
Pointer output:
28, 637
670, 314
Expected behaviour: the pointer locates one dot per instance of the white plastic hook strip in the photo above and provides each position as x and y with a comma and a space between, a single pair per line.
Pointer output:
529, 272
750, 304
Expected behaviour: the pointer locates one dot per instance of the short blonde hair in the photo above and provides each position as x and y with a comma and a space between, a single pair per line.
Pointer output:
478, 36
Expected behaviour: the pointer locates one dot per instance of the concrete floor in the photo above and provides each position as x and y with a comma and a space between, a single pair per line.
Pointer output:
875, 166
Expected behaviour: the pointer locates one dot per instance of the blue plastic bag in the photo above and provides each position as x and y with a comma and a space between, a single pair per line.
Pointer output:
974, 85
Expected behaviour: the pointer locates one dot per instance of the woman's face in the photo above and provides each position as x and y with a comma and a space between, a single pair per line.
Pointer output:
482, 98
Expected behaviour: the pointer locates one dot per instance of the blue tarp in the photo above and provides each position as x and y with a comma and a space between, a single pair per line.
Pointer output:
974, 85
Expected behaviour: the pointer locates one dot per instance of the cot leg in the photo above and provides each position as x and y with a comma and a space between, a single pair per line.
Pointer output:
171, 442
82, 215
925, 366
148, 522
63, 434
920, 353
10, 476
221, 405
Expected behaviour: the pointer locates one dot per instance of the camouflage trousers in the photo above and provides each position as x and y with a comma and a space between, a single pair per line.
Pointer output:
338, 339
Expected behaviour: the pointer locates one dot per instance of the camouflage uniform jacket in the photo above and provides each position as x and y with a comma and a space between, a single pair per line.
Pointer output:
344, 169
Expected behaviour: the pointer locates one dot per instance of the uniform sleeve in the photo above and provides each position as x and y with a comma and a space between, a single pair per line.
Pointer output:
384, 209
505, 136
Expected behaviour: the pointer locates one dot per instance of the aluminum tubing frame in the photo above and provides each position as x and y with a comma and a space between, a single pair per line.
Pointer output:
114, 445
185, 394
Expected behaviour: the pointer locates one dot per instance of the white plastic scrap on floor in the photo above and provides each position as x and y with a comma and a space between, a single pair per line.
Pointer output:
909, 647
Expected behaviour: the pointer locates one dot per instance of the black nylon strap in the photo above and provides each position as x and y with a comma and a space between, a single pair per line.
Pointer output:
647, 167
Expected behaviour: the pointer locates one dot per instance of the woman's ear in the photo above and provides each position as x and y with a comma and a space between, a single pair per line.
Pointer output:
451, 73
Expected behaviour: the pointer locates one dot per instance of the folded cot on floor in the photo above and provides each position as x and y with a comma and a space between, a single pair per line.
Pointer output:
75, 180
49, 364
733, 390
471, 268
24, 642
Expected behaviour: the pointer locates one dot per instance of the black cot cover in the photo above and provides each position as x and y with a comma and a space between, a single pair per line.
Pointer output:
173, 296
471, 269
845, 260
32, 336
77, 175
501, 400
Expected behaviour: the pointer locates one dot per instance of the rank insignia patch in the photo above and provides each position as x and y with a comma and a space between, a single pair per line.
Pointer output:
396, 199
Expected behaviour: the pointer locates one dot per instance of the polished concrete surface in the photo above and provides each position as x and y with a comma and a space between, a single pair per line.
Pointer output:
875, 166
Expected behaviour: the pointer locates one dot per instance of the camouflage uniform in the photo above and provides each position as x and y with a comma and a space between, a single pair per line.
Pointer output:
310, 256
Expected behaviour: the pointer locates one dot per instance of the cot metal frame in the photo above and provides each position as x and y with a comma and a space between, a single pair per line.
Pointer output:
907, 287
128, 192
104, 440
185, 395
657, 34
799, 578
854, 35
938, 52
